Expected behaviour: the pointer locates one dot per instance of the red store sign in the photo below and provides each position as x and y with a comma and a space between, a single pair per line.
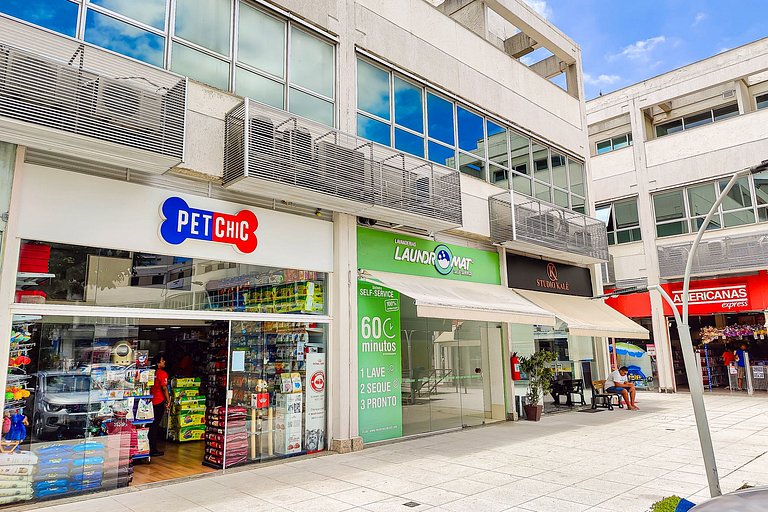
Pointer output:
722, 299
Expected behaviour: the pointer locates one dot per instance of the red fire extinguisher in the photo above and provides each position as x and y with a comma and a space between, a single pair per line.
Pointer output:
515, 361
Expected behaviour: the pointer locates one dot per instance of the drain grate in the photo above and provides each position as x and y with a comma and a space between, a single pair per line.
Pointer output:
411, 504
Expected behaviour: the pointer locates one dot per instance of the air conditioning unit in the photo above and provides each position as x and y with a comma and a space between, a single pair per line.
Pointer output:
294, 152
541, 225
343, 172
125, 105
261, 148
421, 191
38, 81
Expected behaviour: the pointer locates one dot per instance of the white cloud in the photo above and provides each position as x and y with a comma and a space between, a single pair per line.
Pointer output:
639, 50
601, 79
541, 7
701, 16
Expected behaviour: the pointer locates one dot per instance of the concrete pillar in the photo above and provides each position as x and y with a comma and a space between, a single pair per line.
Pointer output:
342, 367
506, 341
7, 159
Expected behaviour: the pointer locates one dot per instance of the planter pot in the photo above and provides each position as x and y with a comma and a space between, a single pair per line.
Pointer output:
533, 412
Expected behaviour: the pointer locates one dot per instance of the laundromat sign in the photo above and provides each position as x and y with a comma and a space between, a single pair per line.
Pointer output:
392, 252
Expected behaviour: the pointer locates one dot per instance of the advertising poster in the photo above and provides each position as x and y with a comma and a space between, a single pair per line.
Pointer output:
288, 423
380, 414
314, 410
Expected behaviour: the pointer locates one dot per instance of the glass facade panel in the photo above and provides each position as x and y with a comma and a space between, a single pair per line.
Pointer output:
542, 191
259, 88
440, 119
149, 12
626, 214
409, 105
604, 147
669, 128
698, 119
620, 142
374, 130
310, 107
669, 205
120, 37
700, 199
408, 142
471, 165
671, 229
559, 173
560, 198
372, 89
262, 42
441, 155
761, 101
470, 132
521, 183
498, 147
541, 162
57, 15
739, 195
520, 151
761, 187
576, 177
726, 112
205, 22
731, 219
499, 176
311, 63
200, 66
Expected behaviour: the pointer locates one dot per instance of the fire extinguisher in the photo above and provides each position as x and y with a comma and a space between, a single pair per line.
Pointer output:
515, 361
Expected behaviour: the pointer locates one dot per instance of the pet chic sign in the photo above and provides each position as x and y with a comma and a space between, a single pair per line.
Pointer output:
182, 222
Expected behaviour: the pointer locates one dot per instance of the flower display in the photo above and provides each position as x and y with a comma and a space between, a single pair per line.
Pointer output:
709, 334
737, 331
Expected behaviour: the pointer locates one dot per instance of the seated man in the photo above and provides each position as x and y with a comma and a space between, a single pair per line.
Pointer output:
617, 382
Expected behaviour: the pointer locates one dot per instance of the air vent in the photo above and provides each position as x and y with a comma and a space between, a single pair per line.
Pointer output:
729, 94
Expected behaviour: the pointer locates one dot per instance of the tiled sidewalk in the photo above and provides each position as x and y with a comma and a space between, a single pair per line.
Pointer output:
576, 462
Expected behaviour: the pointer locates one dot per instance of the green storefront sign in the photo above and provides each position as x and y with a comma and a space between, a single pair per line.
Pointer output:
378, 360
401, 254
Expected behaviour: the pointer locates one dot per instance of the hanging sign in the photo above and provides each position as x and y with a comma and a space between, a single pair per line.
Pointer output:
650, 349
758, 372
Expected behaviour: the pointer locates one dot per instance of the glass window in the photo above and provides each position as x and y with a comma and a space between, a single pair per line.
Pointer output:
149, 12
725, 112
739, 195
372, 89
374, 130
310, 107
472, 165
205, 22
620, 142
576, 177
540, 162
123, 38
669, 128
732, 219
542, 191
498, 148
441, 154
57, 15
200, 66
578, 203
311, 63
261, 41
626, 214
470, 131
559, 173
560, 198
669, 205
761, 187
260, 88
409, 105
761, 101
440, 119
700, 199
520, 151
603, 213
699, 119
604, 146
408, 142
671, 229
498, 176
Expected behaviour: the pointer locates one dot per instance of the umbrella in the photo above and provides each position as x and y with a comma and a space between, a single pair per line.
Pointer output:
628, 349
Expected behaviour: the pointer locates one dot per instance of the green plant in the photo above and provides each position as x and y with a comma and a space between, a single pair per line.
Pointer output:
540, 375
666, 505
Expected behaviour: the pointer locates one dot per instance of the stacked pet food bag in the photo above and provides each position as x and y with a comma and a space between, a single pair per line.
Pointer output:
228, 446
187, 419
16, 482
71, 467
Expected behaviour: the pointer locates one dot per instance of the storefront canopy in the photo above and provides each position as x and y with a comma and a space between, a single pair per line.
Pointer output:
587, 317
457, 300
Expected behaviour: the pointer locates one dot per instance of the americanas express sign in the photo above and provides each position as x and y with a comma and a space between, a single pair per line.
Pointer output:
182, 222
392, 252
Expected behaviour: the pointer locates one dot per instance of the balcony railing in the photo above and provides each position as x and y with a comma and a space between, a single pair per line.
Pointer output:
529, 224
716, 256
270, 152
61, 95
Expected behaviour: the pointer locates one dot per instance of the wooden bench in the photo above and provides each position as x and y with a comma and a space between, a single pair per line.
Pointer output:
602, 399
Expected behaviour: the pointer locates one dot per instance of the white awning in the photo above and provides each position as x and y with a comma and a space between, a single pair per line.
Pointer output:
458, 300
587, 317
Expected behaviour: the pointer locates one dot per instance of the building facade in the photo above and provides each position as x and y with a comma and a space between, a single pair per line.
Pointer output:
661, 151
336, 222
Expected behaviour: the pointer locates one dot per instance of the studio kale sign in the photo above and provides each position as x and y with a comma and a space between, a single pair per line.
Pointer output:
401, 254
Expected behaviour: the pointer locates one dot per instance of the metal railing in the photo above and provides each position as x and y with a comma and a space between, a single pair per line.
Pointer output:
520, 220
715, 256
77, 89
272, 151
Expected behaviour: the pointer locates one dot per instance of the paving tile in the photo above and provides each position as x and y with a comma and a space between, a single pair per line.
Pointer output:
434, 496
360, 496
550, 504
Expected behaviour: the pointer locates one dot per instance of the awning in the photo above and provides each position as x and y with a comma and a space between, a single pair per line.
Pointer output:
587, 317
458, 300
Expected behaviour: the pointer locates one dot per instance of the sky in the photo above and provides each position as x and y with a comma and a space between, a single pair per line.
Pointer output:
625, 42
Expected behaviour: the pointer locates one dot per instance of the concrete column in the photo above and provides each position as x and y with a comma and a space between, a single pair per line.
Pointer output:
506, 341
342, 367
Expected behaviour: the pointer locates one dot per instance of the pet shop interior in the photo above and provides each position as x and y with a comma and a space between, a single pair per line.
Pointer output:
79, 412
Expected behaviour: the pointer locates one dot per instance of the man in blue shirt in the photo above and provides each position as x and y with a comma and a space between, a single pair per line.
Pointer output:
740, 360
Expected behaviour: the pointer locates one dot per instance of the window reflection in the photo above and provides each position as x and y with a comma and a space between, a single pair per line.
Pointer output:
576, 177
470, 131
559, 174
373, 130
540, 162
408, 105
498, 176
121, 37
205, 22
200, 66
542, 191
149, 12
498, 148
311, 63
472, 165
57, 15
372, 90
259, 88
440, 119
408, 142
261, 41
310, 107
441, 155
521, 184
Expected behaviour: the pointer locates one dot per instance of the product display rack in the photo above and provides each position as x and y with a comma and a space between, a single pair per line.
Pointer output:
287, 291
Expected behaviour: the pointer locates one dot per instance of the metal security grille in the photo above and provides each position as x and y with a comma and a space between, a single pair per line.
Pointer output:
717, 256
270, 151
72, 88
526, 223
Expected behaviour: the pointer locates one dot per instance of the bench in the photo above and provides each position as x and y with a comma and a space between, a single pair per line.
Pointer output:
602, 399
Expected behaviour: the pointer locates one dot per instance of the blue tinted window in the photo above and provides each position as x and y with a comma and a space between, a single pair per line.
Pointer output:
372, 89
123, 38
470, 130
440, 119
149, 12
408, 142
441, 154
58, 15
373, 130
409, 105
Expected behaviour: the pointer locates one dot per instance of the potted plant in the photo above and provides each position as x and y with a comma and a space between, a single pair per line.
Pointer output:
536, 367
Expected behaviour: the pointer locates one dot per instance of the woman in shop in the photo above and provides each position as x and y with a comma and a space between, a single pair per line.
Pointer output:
160, 401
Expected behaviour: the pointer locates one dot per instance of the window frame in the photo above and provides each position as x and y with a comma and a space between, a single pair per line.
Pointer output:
612, 228
682, 119
761, 97
612, 143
